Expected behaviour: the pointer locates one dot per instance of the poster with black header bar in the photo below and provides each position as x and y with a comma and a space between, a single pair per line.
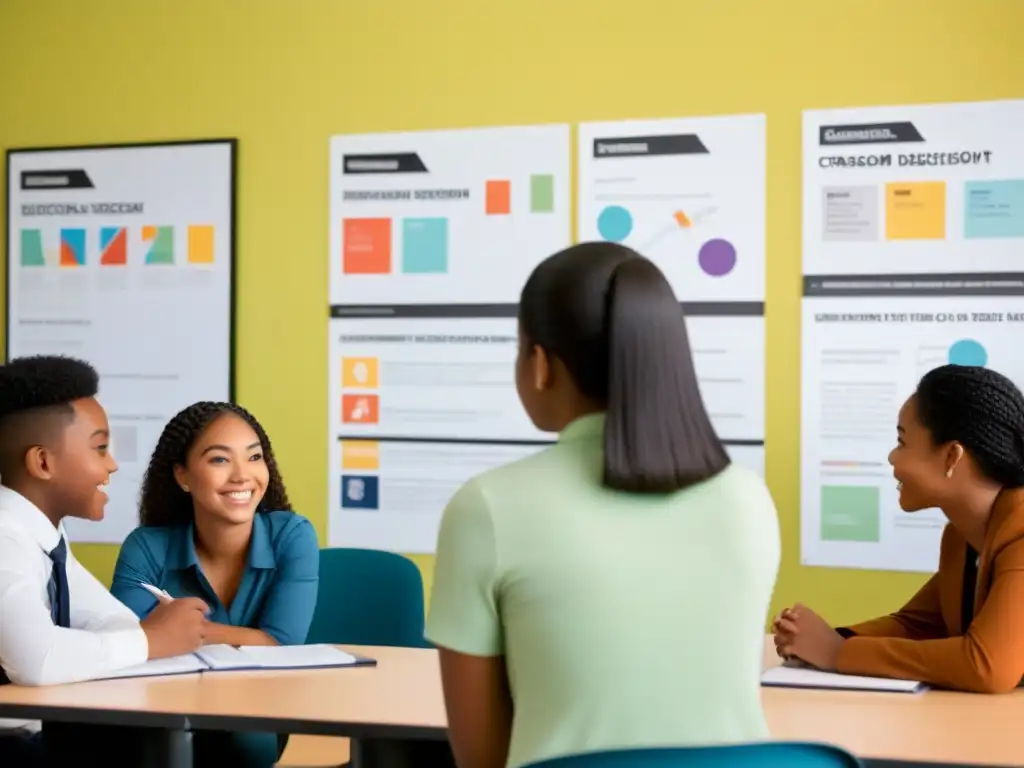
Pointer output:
689, 194
913, 230
123, 256
432, 236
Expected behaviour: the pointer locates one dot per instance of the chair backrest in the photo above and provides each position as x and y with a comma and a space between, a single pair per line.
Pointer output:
368, 597
768, 755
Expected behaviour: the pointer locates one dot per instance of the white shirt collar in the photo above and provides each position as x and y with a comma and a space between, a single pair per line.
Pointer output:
17, 510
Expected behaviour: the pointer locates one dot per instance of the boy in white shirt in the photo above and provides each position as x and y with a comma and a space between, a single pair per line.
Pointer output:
58, 624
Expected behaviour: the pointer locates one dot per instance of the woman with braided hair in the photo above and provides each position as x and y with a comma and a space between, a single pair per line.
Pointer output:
960, 448
216, 524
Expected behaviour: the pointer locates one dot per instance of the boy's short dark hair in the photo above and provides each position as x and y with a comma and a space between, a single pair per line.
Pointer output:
35, 402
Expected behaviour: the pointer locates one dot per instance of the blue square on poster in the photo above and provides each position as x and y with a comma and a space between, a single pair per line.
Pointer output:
425, 246
360, 492
994, 208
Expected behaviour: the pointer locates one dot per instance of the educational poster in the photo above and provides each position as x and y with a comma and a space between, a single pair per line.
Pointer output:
913, 235
424, 378
390, 494
427, 378
446, 217
432, 236
122, 256
689, 194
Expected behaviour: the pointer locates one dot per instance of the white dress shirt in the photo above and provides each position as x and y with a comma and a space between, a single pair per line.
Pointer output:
104, 637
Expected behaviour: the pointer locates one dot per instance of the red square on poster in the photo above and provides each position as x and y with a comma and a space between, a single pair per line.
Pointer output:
498, 197
366, 246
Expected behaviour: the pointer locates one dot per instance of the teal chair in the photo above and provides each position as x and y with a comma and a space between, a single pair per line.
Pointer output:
368, 597
768, 755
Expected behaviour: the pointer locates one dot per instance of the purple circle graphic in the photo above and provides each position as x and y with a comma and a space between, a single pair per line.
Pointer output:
717, 257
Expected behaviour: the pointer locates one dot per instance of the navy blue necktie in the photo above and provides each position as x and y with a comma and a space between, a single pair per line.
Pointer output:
60, 600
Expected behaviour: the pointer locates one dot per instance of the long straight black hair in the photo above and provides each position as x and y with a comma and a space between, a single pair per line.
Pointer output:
611, 317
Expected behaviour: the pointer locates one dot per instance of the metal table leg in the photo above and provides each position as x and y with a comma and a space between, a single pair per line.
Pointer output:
168, 749
400, 753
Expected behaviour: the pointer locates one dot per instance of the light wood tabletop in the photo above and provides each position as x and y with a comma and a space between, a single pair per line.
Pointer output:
930, 727
401, 698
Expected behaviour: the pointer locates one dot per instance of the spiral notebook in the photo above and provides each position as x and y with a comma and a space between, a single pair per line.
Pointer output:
228, 658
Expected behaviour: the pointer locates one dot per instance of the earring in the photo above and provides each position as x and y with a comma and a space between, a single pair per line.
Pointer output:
949, 472
185, 487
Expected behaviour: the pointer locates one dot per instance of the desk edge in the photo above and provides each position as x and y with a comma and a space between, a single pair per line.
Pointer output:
303, 726
96, 716
245, 723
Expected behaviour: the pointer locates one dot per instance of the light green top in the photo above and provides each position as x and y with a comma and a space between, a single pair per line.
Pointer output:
626, 620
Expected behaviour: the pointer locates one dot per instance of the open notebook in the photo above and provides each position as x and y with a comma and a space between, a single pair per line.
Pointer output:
225, 658
800, 676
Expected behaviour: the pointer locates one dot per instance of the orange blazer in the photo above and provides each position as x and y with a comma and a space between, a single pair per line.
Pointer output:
927, 641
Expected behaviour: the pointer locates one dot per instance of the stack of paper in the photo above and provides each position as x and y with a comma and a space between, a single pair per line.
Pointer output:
806, 677
222, 658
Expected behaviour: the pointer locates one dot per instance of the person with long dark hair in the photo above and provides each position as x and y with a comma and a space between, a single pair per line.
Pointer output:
216, 524
959, 448
610, 591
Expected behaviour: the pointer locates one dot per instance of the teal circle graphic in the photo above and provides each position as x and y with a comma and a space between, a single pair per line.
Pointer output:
968, 352
614, 223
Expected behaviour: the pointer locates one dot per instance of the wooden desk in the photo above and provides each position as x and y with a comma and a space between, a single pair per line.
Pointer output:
934, 727
398, 699
401, 699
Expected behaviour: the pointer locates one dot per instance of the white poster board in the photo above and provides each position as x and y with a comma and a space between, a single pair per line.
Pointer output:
689, 194
913, 234
432, 236
123, 256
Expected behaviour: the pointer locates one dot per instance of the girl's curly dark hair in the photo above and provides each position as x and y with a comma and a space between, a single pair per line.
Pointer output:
162, 502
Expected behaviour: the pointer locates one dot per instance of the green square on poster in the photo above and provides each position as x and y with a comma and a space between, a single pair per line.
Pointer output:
542, 193
32, 248
851, 513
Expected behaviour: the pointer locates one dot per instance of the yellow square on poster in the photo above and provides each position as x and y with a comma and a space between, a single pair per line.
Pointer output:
359, 372
200, 244
915, 210
360, 454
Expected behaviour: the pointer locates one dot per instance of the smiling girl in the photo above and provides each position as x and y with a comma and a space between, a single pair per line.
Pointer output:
217, 525
959, 448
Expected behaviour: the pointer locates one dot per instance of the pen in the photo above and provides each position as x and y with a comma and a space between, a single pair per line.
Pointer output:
159, 594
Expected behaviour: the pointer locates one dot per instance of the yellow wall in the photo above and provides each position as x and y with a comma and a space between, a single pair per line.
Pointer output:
282, 75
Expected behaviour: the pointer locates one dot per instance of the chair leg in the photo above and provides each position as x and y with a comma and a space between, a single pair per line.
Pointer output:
383, 753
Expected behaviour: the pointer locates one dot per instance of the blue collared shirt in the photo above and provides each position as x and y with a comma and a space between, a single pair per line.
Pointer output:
278, 590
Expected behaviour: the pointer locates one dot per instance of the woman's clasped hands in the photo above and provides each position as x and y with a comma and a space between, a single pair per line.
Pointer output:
802, 634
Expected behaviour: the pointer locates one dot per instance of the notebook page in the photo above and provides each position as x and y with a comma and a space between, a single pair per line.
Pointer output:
175, 665
804, 677
296, 656
224, 657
